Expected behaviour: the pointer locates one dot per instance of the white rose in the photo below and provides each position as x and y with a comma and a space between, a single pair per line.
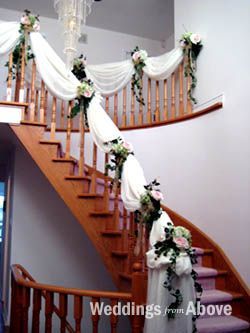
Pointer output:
195, 38
143, 55
25, 20
36, 26
136, 56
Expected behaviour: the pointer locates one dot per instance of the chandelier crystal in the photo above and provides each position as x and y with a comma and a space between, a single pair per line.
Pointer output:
72, 14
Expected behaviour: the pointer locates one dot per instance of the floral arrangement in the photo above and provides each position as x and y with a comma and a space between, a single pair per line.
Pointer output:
85, 91
28, 23
191, 44
138, 57
178, 240
120, 151
150, 209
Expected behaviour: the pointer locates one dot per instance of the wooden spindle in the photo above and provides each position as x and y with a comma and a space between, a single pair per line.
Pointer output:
10, 77
81, 155
116, 108
22, 72
140, 115
49, 308
149, 118
165, 105
78, 313
17, 87
25, 309
32, 92
181, 104
95, 317
16, 307
106, 184
42, 103
124, 112
27, 99
173, 96
113, 317
157, 102
138, 295
69, 127
132, 111
36, 105
93, 175
116, 209
62, 115
37, 300
63, 310
53, 120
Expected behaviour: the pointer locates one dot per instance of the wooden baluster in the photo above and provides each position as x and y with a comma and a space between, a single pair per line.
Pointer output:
32, 97
37, 299
63, 309
157, 102
116, 209
181, 104
140, 115
124, 112
93, 175
62, 115
132, 111
95, 317
173, 96
46, 106
138, 295
69, 126
36, 105
25, 309
10, 77
189, 102
49, 308
113, 317
116, 108
81, 155
149, 118
165, 107
27, 95
53, 121
42, 103
16, 307
22, 74
78, 313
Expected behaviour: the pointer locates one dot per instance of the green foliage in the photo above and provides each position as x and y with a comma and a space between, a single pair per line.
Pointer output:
136, 83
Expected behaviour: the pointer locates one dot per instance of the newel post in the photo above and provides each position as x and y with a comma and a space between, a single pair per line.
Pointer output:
16, 307
138, 297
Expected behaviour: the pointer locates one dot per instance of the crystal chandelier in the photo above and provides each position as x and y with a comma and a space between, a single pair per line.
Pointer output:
72, 14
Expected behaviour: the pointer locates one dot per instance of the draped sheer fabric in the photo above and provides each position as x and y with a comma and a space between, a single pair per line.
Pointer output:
108, 79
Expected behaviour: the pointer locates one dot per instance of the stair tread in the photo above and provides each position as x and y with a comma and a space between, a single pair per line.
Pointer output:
50, 142
77, 177
111, 233
221, 324
64, 160
33, 123
120, 253
216, 295
102, 213
90, 195
204, 272
9, 103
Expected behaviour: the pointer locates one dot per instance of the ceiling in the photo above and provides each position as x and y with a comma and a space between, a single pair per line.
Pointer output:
153, 19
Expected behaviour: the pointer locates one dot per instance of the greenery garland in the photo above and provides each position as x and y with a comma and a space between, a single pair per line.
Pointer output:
138, 57
85, 91
177, 241
120, 151
28, 23
191, 45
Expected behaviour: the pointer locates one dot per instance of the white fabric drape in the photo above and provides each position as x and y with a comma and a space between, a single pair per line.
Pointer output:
9, 35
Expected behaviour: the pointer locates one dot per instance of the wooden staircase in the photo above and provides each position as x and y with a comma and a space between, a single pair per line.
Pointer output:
110, 227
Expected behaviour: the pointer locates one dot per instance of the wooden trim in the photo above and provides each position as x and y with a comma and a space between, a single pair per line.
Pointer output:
211, 108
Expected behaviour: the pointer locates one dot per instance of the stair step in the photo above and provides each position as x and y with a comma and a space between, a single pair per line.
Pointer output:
204, 272
111, 233
120, 254
88, 178
102, 213
218, 296
64, 160
33, 123
50, 142
90, 195
222, 324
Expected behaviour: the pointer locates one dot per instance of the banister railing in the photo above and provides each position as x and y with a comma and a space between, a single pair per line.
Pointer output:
27, 294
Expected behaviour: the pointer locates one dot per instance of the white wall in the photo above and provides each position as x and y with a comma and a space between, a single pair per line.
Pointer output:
204, 164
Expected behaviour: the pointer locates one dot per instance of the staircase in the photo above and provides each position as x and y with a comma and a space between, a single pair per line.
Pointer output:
110, 228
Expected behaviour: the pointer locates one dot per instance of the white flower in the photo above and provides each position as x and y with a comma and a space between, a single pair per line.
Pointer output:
143, 55
88, 92
36, 26
128, 146
195, 38
181, 232
157, 195
140, 56
25, 20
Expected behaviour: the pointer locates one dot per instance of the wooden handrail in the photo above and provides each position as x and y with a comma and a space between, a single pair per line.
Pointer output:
18, 270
